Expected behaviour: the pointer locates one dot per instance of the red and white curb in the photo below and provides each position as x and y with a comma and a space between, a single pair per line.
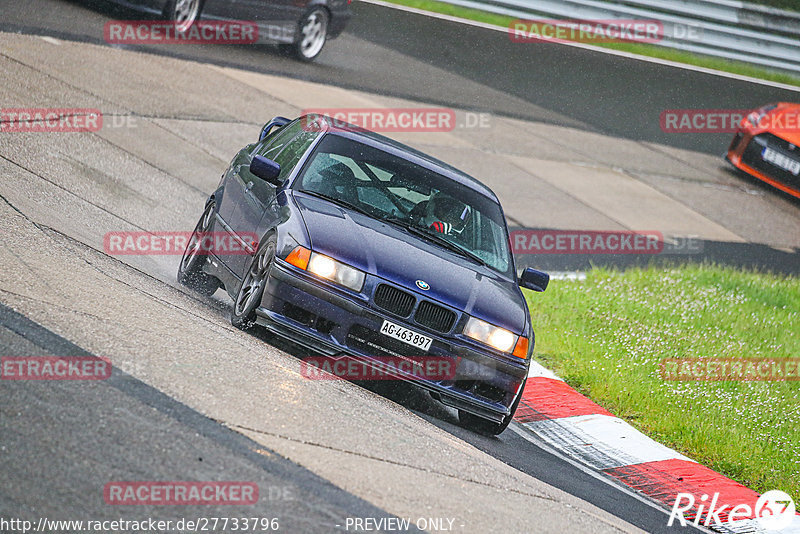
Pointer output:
590, 435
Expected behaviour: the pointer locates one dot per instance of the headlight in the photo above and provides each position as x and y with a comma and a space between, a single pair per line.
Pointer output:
322, 266
494, 336
326, 267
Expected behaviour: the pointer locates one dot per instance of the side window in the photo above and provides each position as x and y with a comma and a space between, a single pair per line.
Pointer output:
273, 144
293, 151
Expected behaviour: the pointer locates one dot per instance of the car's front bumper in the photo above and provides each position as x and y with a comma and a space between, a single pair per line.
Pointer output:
301, 307
745, 152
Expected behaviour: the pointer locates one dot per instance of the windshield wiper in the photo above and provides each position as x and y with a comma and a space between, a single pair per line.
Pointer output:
338, 201
399, 221
436, 238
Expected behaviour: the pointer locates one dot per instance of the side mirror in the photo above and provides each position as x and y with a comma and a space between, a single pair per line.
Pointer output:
266, 169
534, 280
278, 122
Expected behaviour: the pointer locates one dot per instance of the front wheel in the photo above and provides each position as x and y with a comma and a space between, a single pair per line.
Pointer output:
485, 427
184, 13
248, 297
311, 36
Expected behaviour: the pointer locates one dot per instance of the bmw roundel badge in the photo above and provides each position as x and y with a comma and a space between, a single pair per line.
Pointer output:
423, 285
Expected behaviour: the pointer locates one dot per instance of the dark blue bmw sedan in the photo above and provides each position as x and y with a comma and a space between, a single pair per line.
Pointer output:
359, 247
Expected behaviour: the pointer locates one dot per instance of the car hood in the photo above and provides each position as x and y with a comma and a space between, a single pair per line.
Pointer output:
391, 253
783, 121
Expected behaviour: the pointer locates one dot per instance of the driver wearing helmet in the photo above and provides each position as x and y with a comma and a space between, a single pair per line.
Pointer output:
446, 215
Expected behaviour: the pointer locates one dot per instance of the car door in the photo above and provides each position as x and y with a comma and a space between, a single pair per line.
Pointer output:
258, 207
271, 16
237, 201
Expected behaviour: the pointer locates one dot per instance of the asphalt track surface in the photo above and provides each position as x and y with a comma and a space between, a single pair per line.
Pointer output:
463, 66
71, 437
77, 436
554, 84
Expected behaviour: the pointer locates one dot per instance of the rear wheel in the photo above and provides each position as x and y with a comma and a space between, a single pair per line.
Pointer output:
190, 270
489, 428
248, 297
311, 35
184, 13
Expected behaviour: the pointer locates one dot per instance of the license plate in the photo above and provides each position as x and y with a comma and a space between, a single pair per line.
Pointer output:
779, 160
401, 333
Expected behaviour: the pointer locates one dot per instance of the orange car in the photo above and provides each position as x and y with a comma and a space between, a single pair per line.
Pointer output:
767, 146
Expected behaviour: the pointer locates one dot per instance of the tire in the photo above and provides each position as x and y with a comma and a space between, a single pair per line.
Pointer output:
190, 269
312, 32
243, 314
184, 13
484, 426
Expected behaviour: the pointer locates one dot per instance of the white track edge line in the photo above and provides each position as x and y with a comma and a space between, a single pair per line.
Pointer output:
530, 436
537, 370
584, 46
600, 426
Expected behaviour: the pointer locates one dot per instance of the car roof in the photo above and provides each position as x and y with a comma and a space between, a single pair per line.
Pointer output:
376, 140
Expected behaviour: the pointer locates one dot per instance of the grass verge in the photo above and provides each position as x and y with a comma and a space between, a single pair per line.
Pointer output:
606, 336
790, 5
669, 54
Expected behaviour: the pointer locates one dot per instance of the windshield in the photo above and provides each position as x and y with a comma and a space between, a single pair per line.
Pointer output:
393, 189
